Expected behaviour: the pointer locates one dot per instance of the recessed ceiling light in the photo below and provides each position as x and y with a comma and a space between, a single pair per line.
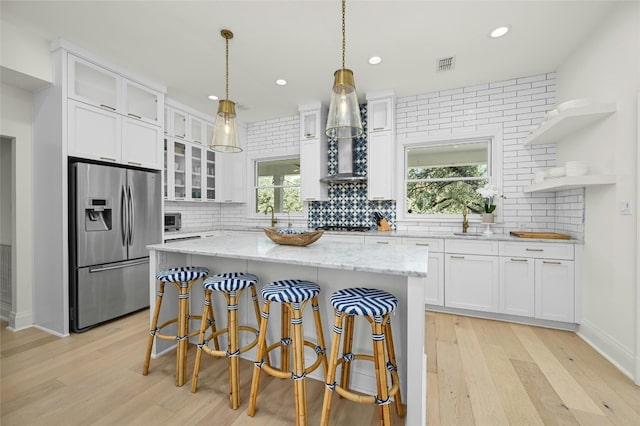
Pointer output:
281, 82
375, 60
213, 97
499, 32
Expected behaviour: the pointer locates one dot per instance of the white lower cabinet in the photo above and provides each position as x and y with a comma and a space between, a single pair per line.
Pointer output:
434, 287
537, 280
471, 282
517, 286
555, 290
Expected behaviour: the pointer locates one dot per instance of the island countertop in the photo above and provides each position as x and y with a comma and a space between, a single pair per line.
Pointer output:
392, 259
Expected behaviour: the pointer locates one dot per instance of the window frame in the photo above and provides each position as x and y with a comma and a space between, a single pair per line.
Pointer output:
494, 170
252, 177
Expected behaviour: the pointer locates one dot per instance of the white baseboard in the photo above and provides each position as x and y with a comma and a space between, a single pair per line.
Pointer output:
616, 353
20, 320
48, 330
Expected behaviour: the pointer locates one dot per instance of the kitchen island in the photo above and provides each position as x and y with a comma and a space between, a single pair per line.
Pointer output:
401, 270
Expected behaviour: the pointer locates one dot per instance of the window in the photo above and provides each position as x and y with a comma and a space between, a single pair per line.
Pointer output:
277, 184
440, 178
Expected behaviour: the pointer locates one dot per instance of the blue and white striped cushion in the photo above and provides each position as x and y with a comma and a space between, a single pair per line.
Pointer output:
182, 274
290, 291
364, 301
230, 281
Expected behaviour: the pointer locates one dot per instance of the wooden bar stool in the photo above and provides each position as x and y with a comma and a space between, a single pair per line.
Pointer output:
293, 295
231, 284
375, 306
183, 278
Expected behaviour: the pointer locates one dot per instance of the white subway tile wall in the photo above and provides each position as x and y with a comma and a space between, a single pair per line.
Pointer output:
514, 104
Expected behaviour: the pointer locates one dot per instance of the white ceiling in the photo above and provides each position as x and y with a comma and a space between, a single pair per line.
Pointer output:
178, 43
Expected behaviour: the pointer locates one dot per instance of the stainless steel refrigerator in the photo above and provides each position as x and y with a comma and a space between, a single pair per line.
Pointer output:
114, 214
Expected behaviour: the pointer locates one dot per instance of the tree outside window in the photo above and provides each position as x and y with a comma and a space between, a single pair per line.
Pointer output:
278, 185
441, 179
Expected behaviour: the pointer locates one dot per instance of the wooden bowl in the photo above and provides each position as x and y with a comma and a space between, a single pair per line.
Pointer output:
298, 239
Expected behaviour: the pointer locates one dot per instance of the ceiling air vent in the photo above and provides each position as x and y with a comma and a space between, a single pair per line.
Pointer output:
446, 64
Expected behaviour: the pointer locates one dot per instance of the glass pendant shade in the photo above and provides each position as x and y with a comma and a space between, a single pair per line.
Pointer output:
225, 137
344, 120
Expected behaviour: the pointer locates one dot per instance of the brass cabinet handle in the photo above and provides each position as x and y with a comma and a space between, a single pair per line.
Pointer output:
423, 244
133, 163
107, 107
375, 129
134, 116
530, 249
519, 260
548, 262
457, 257
310, 136
108, 158
382, 242
378, 198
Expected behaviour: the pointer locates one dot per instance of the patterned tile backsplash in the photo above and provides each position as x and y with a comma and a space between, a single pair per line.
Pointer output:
348, 204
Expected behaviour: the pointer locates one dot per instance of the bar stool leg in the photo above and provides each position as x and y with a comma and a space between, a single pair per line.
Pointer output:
319, 332
203, 328
183, 334
331, 373
347, 349
392, 360
285, 332
299, 384
233, 352
154, 328
377, 334
262, 345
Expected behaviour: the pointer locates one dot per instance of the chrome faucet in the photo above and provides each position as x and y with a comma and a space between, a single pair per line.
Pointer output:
465, 222
273, 217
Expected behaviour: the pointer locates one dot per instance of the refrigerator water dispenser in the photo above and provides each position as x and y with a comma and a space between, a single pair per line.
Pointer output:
98, 215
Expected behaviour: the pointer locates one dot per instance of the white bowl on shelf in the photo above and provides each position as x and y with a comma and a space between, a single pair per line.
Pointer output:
576, 168
574, 103
555, 172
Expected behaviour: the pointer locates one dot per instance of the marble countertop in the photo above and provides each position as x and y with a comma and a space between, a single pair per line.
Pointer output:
389, 259
375, 233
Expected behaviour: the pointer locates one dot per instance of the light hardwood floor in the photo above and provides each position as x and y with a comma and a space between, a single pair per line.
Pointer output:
480, 372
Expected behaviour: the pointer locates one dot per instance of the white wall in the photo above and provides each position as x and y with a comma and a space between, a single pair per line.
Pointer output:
606, 68
25, 53
15, 122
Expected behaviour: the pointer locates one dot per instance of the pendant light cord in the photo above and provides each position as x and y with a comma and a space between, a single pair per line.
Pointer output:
344, 38
227, 69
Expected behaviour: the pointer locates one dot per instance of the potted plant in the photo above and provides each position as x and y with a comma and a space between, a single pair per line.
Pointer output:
489, 192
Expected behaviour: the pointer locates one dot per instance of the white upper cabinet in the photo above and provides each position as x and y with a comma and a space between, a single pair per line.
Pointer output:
231, 172
381, 138
313, 152
112, 118
93, 85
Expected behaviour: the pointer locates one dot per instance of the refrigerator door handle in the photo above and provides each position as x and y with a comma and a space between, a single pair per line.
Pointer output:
131, 215
124, 216
118, 266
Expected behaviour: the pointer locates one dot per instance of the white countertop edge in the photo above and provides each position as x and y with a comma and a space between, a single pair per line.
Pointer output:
367, 257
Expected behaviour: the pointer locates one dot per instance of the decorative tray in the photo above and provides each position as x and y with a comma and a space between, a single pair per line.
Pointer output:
292, 237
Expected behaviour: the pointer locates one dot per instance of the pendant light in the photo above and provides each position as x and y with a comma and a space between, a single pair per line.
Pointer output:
344, 120
225, 137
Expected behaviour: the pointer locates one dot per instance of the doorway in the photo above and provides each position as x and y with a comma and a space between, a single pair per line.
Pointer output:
7, 225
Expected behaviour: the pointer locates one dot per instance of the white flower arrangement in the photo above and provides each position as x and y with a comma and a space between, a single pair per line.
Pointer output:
489, 192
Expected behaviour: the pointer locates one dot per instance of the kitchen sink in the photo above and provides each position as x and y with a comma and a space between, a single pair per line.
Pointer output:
468, 234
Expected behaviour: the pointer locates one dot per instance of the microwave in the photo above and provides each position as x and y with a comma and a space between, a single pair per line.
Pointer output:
172, 221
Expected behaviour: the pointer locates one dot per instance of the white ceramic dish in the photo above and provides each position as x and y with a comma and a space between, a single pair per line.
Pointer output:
556, 172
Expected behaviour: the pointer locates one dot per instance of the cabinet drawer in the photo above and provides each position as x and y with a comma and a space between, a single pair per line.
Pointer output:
436, 245
381, 240
471, 246
537, 250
